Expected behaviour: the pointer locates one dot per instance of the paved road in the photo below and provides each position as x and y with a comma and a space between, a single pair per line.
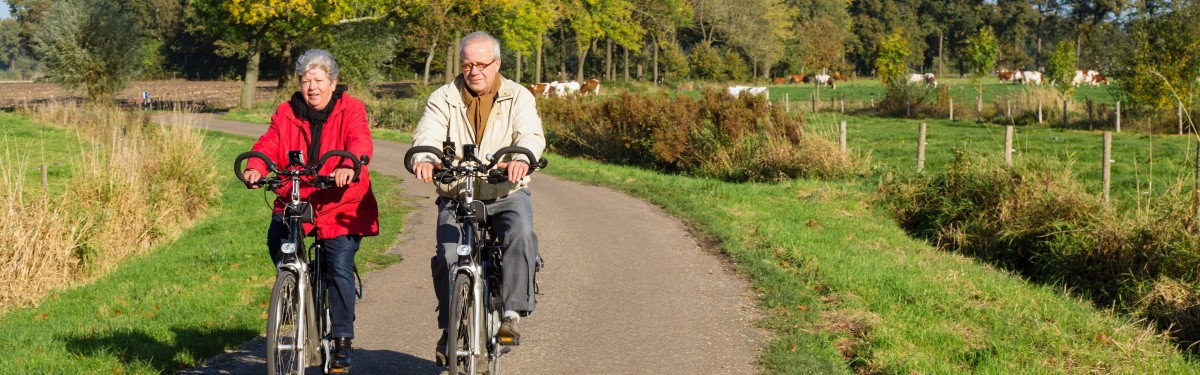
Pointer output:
626, 290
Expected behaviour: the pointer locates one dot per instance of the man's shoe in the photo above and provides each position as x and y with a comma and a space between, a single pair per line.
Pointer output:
508, 334
342, 351
441, 351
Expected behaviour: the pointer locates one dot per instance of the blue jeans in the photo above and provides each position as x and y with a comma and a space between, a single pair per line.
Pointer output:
338, 271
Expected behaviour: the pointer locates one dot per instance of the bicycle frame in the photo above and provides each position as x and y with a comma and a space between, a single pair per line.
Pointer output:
311, 315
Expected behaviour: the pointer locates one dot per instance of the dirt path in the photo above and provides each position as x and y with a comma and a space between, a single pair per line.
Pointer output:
626, 290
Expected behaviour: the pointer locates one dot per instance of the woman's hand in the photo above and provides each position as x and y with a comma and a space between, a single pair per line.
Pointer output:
251, 177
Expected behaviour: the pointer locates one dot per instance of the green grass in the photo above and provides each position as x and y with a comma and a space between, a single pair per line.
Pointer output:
28, 145
845, 290
180, 304
1144, 165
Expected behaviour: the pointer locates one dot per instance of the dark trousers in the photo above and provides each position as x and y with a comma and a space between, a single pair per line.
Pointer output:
512, 219
337, 269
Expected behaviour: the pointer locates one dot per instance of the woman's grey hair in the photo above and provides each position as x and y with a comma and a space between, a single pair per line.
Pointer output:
479, 36
317, 58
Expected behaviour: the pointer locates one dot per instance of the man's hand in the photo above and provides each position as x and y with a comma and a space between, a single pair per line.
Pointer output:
342, 176
517, 169
424, 170
252, 176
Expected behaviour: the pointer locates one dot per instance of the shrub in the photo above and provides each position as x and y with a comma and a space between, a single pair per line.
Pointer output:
1036, 220
716, 136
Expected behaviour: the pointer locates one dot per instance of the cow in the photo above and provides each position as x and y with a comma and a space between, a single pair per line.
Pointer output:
927, 79
591, 86
736, 91
824, 79
1005, 75
839, 77
796, 78
1028, 77
1099, 79
539, 89
778, 80
564, 88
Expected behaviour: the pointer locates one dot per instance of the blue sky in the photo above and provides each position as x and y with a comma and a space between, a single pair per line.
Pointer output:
4, 10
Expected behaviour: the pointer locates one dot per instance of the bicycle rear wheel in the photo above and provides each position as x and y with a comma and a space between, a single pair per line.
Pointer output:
462, 330
283, 327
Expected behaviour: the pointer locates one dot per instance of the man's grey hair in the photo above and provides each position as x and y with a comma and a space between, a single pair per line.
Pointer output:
476, 37
317, 58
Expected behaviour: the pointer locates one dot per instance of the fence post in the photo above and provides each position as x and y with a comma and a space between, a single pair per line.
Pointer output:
813, 97
842, 136
1197, 188
1107, 175
1008, 108
1179, 114
872, 102
951, 109
45, 177
1118, 116
842, 103
1064, 114
1008, 144
1039, 112
979, 108
786, 107
907, 108
921, 148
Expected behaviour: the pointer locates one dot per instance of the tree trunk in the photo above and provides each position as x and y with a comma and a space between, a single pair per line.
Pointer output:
656, 64
626, 64
518, 68
608, 63
447, 77
251, 79
583, 50
428, 62
285, 62
537, 71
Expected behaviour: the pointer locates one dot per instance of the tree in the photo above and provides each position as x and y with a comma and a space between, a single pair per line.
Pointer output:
85, 46
661, 19
1060, 69
873, 20
591, 20
890, 64
981, 53
10, 43
1159, 66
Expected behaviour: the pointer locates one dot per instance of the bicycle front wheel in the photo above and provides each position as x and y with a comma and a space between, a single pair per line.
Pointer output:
462, 331
283, 327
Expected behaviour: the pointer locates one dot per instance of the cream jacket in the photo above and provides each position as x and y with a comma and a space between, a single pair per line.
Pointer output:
514, 121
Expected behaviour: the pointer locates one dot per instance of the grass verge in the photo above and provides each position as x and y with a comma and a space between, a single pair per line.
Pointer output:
845, 290
184, 302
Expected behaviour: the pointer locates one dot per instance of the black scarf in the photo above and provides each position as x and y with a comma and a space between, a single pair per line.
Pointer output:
316, 119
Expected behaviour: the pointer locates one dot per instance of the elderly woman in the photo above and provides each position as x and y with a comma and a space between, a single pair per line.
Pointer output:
319, 118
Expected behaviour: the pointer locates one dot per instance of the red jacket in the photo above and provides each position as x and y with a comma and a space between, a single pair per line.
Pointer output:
339, 211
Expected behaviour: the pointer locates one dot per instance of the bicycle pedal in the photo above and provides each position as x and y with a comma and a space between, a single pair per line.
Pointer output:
344, 370
509, 341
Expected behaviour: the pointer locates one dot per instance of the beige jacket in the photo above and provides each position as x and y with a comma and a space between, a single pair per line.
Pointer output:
514, 121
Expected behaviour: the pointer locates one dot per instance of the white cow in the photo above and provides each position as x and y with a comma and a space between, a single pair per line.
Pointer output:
927, 79
1090, 77
1028, 77
737, 91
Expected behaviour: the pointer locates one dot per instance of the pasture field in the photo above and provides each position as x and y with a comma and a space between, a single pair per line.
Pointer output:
184, 302
845, 290
1143, 165
28, 145
187, 94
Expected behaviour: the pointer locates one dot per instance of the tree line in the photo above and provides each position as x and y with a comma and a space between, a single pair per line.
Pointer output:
648, 40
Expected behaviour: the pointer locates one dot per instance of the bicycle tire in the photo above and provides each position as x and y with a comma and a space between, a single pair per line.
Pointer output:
461, 330
283, 327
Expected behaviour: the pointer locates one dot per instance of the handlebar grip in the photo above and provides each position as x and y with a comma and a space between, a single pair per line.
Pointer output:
533, 162
237, 164
419, 149
344, 154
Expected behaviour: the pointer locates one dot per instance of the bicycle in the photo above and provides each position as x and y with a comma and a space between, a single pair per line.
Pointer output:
475, 307
298, 324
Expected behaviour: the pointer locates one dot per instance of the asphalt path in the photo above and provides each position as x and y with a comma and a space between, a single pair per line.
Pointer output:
626, 290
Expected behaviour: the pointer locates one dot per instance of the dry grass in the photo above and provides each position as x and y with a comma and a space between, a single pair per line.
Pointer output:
136, 186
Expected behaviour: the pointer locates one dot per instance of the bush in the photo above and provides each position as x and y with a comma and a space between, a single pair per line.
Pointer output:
744, 139
1036, 220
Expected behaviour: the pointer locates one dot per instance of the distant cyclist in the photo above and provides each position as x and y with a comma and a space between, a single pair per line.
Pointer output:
483, 108
319, 118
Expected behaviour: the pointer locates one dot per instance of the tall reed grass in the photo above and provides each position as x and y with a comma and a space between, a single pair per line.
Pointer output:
137, 185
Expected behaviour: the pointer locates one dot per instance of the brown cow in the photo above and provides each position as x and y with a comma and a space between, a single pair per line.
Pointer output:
837, 76
1005, 75
796, 78
538, 89
778, 80
591, 86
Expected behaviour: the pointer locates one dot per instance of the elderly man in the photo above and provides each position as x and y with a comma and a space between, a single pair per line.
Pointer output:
483, 108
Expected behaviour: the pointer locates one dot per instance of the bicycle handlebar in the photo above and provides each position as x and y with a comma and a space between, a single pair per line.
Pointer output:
495, 158
321, 182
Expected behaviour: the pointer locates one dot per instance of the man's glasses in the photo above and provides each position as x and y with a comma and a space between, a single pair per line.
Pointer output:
478, 66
